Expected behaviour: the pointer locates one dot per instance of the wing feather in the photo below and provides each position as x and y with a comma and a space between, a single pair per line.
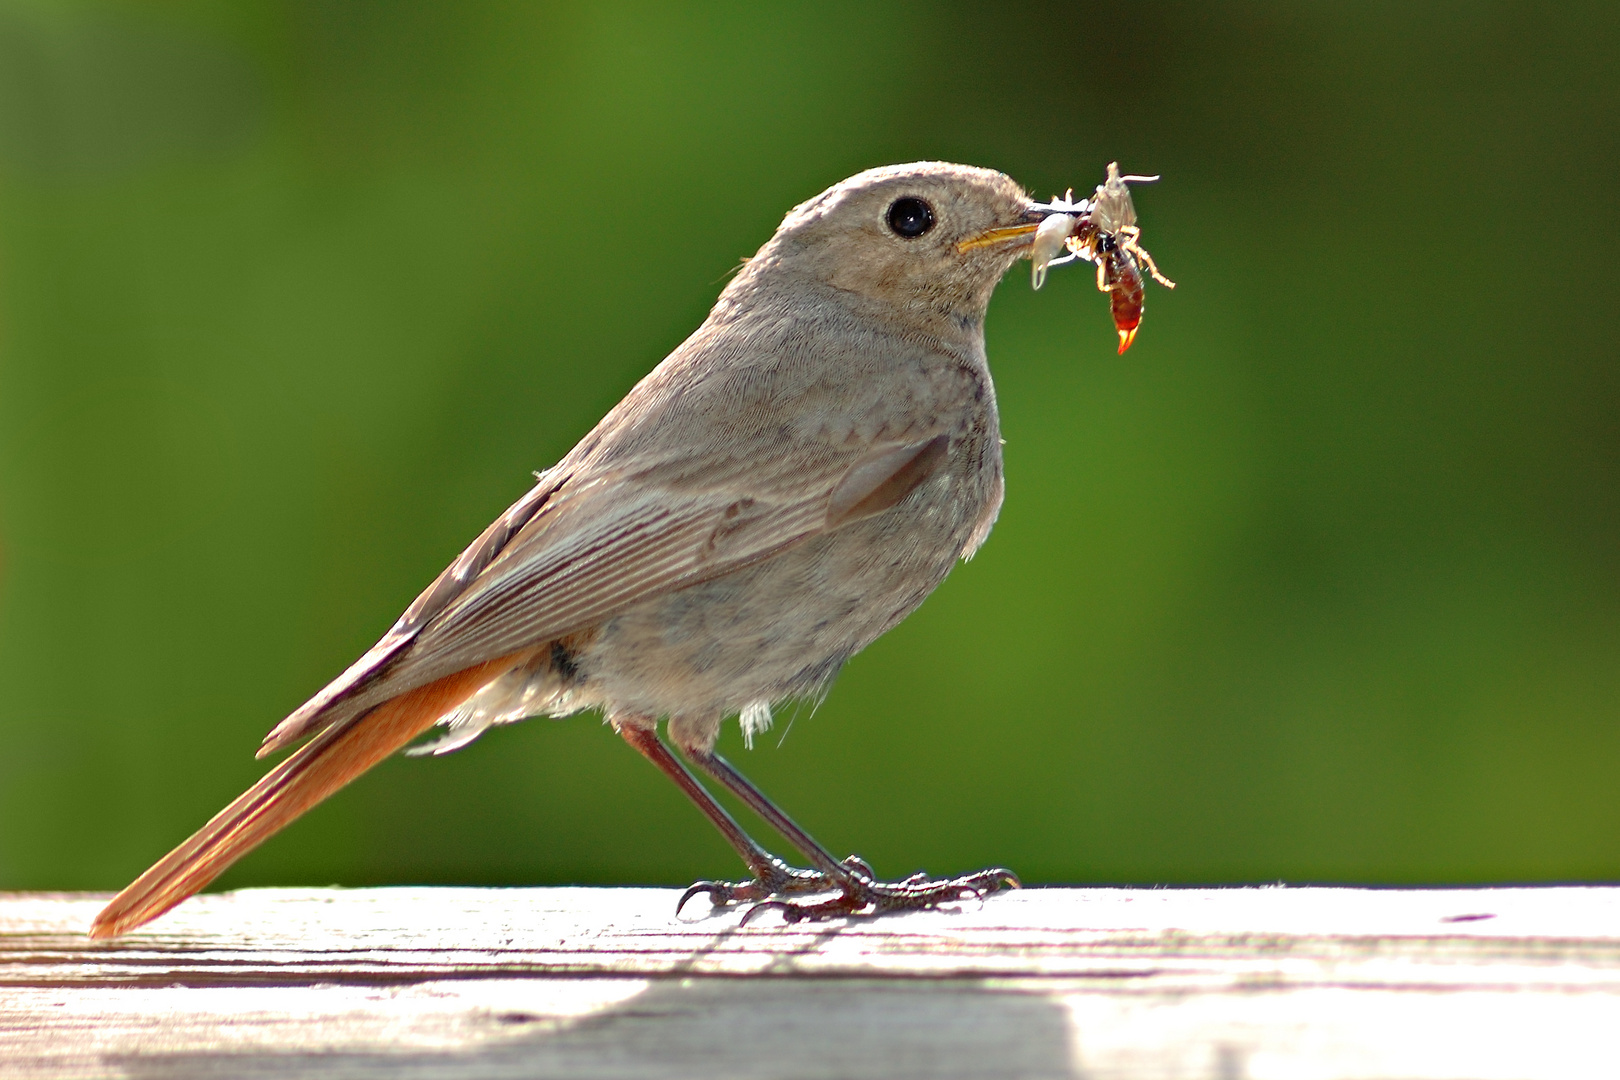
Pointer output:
433, 600
578, 557
642, 507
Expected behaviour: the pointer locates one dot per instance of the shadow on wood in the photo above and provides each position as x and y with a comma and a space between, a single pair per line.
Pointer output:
607, 983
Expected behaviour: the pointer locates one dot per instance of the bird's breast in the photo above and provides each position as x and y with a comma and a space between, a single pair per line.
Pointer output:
782, 628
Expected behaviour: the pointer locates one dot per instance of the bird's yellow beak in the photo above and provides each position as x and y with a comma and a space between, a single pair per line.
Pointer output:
998, 235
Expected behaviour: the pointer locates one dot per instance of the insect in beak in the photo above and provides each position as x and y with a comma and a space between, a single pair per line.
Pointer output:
1100, 230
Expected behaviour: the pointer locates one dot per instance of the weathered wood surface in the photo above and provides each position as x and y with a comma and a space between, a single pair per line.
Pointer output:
1092, 983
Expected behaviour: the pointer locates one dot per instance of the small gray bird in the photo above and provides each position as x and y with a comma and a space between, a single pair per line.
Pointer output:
790, 483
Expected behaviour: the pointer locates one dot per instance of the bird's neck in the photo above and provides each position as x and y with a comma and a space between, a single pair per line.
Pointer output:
764, 291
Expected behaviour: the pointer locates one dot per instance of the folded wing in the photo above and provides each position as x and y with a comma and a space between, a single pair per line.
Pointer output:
582, 546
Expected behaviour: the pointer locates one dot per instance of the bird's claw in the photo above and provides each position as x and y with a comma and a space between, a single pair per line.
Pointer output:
772, 879
866, 896
721, 893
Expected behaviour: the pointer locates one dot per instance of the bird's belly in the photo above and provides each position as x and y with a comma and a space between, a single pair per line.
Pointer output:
783, 628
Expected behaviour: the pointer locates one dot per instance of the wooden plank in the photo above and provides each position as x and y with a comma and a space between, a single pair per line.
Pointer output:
607, 982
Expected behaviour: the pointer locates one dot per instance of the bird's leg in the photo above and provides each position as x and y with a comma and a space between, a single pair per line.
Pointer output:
771, 876
859, 889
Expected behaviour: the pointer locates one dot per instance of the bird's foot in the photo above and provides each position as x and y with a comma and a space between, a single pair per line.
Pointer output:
862, 895
772, 879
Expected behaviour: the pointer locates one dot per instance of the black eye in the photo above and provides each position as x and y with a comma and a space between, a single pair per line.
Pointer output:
910, 217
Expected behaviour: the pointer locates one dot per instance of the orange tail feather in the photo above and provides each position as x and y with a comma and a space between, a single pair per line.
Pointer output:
310, 774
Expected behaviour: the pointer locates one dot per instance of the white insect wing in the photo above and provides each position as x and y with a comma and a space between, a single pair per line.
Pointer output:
1112, 209
1049, 240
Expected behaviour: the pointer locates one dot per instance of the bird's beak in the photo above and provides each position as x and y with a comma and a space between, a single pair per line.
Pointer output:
1022, 233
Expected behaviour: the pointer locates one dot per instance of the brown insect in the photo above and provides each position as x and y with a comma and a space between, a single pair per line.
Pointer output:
1117, 250
1120, 277
1104, 231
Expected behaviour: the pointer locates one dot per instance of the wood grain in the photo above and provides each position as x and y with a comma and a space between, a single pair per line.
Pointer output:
423, 982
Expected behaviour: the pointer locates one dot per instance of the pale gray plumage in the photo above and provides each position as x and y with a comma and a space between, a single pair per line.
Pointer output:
834, 356
791, 482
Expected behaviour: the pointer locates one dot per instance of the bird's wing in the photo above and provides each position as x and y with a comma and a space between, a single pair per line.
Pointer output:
316, 712
581, 547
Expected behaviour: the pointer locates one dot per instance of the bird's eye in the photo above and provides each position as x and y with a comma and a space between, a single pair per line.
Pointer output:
910, 217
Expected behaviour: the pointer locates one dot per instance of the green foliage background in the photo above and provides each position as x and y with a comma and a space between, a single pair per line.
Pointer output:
1319, 582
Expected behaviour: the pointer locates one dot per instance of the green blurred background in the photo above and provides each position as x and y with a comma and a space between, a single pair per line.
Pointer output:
1320, 582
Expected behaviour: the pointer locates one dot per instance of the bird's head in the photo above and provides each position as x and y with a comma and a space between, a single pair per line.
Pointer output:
929, 237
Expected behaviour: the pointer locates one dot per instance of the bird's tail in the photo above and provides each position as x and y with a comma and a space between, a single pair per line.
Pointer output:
314, 771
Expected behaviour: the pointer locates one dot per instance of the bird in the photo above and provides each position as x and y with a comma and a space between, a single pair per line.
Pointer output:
787, 485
